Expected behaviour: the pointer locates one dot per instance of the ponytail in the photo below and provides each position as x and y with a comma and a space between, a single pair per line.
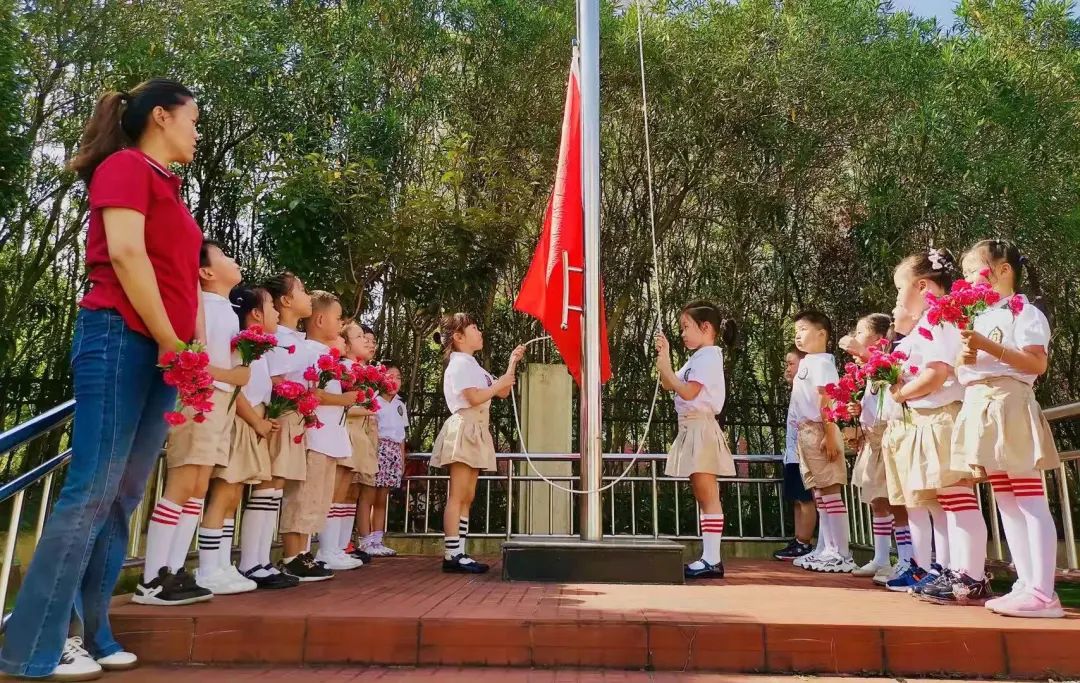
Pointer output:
1004, 250
702, 312
448, 327
120, 119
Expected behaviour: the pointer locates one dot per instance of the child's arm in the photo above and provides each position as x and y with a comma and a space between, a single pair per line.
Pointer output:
238, 376
357, 411
930, 379
511, 369
340, 400
833, 443
477, 396
687, 391
261, 425
1030, 360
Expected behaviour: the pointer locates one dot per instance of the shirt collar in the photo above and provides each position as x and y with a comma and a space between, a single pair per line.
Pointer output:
159, 169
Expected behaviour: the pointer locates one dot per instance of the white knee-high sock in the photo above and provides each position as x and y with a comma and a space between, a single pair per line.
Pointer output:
270, 531
348, 520
836, 512
1042, 533
823, 539
1014, 525
922, 536
463, 532
258, 516
967, 530
942, 552
903, 542
330, 534
228, 531
883, 531
209, 550
159, 537
712, 531
185, 531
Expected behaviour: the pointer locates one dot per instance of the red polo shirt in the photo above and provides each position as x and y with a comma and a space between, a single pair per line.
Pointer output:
129, 179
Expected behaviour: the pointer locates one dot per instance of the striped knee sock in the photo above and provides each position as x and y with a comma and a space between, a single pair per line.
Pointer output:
1041, 531
185, 532
209, 550
712, 531
883, 531
903, 542
159, 537
967, 531
837, 516
228, 531
463, 532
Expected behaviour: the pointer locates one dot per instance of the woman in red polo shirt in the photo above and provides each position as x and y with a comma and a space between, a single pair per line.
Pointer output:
142, 258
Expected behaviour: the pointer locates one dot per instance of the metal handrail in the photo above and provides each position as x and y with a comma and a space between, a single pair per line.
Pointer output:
26, 432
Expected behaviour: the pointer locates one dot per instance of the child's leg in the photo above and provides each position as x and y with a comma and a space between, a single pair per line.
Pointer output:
459, 498
363, 512
922, 535
1015, 526
707, 495
169, 519
902, 531
259, 517
805, 520
190, 483
824, 537
966, 528
222, 503
883, 530
346, 507
378, 512
942, 552
1030, 494
837, 519
337, 515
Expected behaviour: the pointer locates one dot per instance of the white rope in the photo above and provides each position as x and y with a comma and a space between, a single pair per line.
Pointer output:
654, 290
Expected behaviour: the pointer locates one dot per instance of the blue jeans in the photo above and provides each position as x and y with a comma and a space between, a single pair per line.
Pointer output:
119, 428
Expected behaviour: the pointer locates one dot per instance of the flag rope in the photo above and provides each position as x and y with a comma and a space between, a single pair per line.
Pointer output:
654, 291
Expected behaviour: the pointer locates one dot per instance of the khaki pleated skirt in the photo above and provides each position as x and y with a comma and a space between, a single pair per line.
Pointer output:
365, 454
868, 472
818, 472
898, 466
288, 459
983, 441
700, 446
249, 459
203, 443
466, 438
927, 446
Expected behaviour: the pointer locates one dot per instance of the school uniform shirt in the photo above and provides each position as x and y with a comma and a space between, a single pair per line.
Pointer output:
259, 387
221, 326
815, 371
463, 372
943, 348
279, 362
791, 437
1027, 328
393, 418
868, 416
332, 438
705, 367
129, 179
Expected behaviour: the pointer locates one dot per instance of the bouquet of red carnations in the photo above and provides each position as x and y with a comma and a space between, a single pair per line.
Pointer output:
326, 369
368, 381
884, 369
849, 390
294, 396
963, 303
185, 369
252, 344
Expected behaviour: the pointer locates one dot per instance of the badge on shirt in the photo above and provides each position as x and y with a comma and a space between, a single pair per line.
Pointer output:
996, 335
401, 411
804, 373
488, 380
686, 375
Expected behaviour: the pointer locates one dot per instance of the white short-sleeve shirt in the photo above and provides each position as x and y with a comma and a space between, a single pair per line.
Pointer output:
868, 416
943, 348
332, 438
259, 387
221, 326
815, 371
705, 367
1027, 328
279, 362
463, 372
791, 436
393, 418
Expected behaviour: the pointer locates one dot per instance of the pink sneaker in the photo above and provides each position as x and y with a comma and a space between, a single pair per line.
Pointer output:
1032, 604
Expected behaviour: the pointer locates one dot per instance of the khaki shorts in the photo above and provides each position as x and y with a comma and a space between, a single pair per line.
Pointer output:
205, 443
818, 472
306, 503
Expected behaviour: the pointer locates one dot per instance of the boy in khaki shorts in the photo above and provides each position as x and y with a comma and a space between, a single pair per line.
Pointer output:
819, 443
306, 502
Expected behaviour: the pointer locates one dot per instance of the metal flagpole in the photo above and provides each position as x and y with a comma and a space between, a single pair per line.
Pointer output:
591, 452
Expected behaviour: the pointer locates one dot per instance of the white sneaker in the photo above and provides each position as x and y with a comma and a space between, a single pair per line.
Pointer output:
872, 569
895, 572
380, 550
832, 563
119, 661
806, 560
218, 582
76, 664
242, 583
338, 561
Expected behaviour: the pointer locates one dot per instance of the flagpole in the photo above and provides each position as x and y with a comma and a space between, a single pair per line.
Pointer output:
590, 425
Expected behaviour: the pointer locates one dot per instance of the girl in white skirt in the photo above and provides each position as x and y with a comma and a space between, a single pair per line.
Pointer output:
869, 471
931, 396
700, 450
1002, 357
464, 444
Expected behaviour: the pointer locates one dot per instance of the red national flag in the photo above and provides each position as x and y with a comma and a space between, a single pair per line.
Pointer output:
553, 290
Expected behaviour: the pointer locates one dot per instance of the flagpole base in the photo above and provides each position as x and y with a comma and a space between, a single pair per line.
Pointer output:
570, 560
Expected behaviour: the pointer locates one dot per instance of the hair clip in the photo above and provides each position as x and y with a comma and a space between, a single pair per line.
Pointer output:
937, 259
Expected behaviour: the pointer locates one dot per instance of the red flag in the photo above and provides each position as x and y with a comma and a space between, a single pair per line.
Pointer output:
553, 290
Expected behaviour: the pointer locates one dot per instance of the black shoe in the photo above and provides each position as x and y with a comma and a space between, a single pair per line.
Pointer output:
957, 589
274, 570
272, 581
793, 551
459, 565
361, 555
167, 589
708, 571
185, 580
305, 569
